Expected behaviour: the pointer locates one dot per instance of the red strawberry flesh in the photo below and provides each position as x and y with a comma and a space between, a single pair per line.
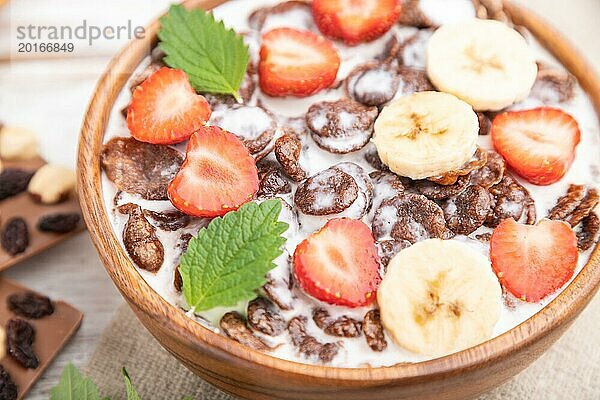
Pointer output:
339, 264
165, 109
533, 262
538, 144
217, 176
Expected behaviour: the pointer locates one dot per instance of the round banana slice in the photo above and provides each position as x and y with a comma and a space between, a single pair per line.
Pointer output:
484, 62
439, 297
426, 134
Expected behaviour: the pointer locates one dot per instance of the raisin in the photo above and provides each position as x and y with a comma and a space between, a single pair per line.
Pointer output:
342, 327
308, 345
169, 220
8, 388
263, 317
30, 305
15, 236
139, 237
13, 181
20, 336
234, 326
141, 168
373, 331
59, 222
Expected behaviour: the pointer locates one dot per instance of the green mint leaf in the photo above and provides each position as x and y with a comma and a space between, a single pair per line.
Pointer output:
227, 262
214, 57
73, 385
132, 394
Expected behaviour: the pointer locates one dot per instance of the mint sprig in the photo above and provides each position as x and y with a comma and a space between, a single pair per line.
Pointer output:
74, 385
227, 262
214, 58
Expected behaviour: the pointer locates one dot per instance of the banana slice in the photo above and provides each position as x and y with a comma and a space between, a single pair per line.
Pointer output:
439, 297
426, 134
483, 62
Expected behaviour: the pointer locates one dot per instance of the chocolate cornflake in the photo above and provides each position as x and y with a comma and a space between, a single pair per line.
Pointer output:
139, 78
491, 173
287, 152
8, 388
413, 80
478, 160
341, 126
588, 231
484, 237
373, 331
359, 83
253, 125
182, 244
372, 157
139, 237
263, 317
272, 290
409, 217
343, 326
485, 125
177, 280
14, 237
436, 191
389, 248
258, 17
467, 211
234, 326
246, 92
20, 336
271, 179
575, 205
553, 85
30, 305
510, 200
308, 345
169, 220
141, 168
412, 15
329, 192
509, 300
13, 181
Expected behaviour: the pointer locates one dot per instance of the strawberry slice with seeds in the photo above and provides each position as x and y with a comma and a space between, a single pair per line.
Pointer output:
218, 174
339, 263
297, 63
355, 21
538, 144
533, 262
165, 109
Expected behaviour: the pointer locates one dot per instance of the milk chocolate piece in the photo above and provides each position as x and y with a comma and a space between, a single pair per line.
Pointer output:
52, 333
22, 205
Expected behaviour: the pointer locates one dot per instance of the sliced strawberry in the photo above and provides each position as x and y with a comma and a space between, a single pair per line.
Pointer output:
355, 21
165, 109
339, 264
533, 261
297, 63
218, 174
538, 144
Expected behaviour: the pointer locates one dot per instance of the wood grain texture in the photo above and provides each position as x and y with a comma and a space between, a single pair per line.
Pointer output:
254, 375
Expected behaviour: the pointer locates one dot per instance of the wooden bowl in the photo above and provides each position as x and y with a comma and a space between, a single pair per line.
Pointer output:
254, 375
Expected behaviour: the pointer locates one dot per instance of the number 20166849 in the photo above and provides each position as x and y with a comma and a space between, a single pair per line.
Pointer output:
27, 47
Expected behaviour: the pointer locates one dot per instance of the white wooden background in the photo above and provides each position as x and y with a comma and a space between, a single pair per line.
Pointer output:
50, 96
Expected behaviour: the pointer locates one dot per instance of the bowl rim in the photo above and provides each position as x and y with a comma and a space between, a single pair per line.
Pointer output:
559, 312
